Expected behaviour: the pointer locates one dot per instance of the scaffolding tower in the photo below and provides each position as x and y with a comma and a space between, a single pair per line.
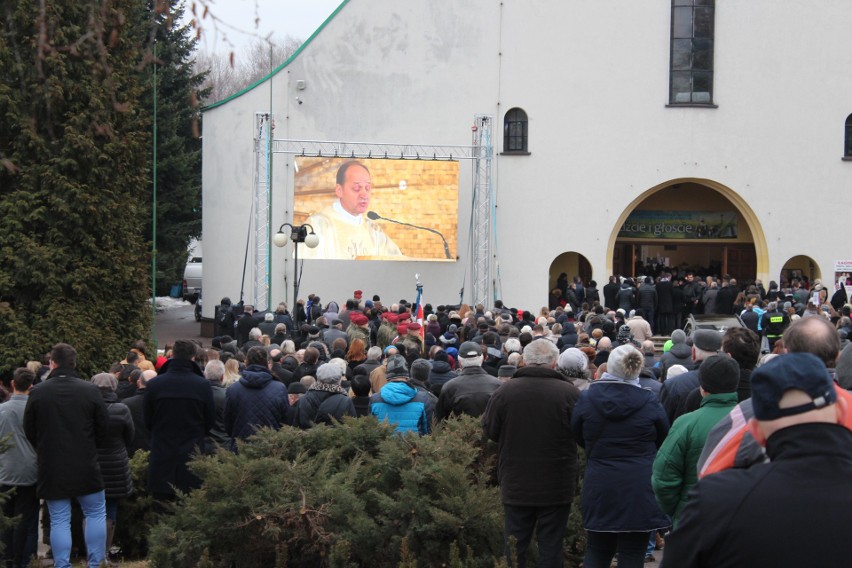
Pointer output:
482, 226
262, 208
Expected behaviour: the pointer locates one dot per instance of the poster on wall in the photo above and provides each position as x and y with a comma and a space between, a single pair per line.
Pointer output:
842, 272
648, 224
378, 209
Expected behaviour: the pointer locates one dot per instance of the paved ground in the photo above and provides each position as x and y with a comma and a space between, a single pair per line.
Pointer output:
177, 321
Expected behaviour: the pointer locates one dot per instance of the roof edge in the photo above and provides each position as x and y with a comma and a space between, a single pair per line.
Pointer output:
280, 67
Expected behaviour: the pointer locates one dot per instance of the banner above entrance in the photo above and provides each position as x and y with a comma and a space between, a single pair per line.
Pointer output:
680, 225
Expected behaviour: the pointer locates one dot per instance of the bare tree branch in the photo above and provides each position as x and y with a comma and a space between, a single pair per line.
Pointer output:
225, 78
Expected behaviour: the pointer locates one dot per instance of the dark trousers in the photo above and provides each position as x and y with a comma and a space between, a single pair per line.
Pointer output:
21, 540
549, 524
678, 321
602, 546
665, 324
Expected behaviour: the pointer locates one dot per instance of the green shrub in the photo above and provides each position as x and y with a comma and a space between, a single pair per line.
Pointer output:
351, 495
136, 513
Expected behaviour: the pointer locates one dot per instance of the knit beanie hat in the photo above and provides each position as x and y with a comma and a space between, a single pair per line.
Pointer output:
718, 374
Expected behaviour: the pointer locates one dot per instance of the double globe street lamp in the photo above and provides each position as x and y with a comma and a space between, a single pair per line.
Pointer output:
297, 234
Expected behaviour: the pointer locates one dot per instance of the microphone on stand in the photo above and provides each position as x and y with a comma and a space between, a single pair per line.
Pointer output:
373, 216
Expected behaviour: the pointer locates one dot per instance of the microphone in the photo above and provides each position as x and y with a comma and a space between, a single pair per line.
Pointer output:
373, 216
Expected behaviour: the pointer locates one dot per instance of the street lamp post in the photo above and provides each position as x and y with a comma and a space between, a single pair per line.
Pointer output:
297, 234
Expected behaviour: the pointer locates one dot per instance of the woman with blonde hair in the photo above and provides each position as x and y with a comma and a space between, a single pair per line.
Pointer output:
621, 426
232, 372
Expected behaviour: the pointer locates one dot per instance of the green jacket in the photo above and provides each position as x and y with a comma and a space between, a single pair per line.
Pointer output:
675, 468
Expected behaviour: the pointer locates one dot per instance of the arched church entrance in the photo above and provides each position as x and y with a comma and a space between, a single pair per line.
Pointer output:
689, 225
568, 265
802, 268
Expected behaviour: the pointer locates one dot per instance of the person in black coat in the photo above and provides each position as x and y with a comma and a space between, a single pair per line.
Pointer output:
750, 318
66, 421
283, 316
309, 365
361, 389
592, 294
282, 374
562, 285
569, 335
441, 372
726, 522
112, 457
179, 412
537, 464
127, 377
214, 372
838, 299
494, 357
136, 404
326, 401
245, 324
679, 303
665, 306
725, 298
626, 296
374, 354
610, 291
469, 392
648, 300
225, 317
281, 334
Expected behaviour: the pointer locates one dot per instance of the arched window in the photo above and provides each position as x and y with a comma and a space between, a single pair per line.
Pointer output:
691, 62
515, 132
847, 147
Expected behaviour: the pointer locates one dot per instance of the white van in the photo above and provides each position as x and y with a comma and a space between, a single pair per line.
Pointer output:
192, 272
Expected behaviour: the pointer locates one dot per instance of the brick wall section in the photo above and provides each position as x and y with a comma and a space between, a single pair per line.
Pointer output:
430, 200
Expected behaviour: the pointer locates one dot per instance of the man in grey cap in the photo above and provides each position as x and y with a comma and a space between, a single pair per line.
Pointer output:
469, 392
705, 343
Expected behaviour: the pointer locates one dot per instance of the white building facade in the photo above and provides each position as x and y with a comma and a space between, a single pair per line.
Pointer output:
600, 110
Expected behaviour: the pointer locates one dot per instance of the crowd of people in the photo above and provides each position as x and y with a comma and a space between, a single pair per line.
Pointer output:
586, 373
666, 299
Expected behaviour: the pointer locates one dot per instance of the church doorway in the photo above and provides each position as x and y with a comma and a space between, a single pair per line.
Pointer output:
689, 225
568, 265
802, 268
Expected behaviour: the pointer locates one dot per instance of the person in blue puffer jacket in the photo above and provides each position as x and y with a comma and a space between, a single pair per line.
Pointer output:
399, 402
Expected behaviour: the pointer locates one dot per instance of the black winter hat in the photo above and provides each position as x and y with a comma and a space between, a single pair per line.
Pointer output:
718, 374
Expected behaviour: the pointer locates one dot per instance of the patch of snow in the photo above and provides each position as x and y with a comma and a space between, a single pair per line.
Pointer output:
165, 303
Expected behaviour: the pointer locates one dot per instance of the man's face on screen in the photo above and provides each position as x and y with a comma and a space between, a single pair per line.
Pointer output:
354, 194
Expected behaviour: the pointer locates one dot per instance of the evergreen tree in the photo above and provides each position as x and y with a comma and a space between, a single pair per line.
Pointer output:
74, 162
178, 142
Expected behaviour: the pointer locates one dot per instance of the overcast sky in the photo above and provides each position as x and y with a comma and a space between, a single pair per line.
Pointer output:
297, 18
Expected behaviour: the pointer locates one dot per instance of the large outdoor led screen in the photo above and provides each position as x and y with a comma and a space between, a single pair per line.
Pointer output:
378, 209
